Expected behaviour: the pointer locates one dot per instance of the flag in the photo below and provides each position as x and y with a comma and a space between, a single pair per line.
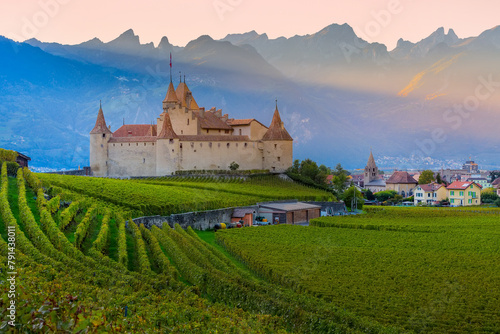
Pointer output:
170, 59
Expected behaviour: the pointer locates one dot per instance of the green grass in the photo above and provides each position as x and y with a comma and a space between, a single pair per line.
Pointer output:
131, 252
112, 247
93, 232
209, 238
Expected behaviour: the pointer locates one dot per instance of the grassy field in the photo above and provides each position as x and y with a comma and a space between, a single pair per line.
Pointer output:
420, 269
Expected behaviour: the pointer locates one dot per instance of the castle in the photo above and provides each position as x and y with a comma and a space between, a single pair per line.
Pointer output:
187, 137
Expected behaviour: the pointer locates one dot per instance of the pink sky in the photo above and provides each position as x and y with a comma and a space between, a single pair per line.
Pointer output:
383, 21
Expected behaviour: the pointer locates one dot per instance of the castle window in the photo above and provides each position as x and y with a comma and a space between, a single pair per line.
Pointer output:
128, 144
144, 160
192, 144
144, 144
219, 145
102, 145
103, 135
153, 144
246, 145
188, 122
262, 159
236, 144
219, 130
121, 144
226, 131
172, 150
113, 144
227, 145
275, 146
180, 146
209, 144
201, 144
240, 132
171, 141
136, 144
279, 158
194, 151
207, 130
182, 132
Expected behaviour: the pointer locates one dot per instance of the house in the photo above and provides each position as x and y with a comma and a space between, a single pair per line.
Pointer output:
496, 184
402, 183
358, 180
429, 193
289, 212
482, 181
22, 160
464, 193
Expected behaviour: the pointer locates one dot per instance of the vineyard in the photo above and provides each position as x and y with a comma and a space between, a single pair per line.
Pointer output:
82, 267
164, 196
421, 269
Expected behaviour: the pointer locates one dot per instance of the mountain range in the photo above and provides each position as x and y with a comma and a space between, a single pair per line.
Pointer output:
338, 95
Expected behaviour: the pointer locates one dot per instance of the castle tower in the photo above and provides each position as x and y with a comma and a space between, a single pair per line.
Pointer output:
171, 100
99, 137
371, 170
167, 148
277, 146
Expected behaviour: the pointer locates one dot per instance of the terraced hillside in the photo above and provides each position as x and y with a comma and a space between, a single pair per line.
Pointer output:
82, 268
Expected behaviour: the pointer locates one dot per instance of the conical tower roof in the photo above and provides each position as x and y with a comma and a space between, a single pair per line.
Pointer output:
171, 96
167, 131
371, 161
100, 123
277, 129
182, 91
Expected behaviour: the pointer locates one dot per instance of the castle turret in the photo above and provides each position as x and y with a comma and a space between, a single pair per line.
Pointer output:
278, 146
171, 100
167, 148
99, 137
371, 170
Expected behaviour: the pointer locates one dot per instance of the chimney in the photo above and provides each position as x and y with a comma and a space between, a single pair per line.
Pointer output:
202, 112
218, 113
225, 117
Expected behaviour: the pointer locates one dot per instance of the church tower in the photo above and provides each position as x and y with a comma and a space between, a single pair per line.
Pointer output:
278, 146
99, 138
371, 170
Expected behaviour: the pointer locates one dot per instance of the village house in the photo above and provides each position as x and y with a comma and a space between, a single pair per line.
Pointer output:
429, 194
402, 183
464, 193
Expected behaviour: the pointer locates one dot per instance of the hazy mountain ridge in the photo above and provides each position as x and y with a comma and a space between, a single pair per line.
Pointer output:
243, 74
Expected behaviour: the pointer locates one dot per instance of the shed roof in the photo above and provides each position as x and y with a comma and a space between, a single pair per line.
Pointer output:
290, 206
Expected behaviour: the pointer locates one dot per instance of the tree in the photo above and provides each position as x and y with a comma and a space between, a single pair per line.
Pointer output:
427, 176
234, 166
438, 179
309, 169
489, 195
383, 196
494, 175
369, 195
349, 195
497, 202
339, 180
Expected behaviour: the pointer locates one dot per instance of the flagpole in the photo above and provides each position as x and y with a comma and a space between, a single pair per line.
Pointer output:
170, 66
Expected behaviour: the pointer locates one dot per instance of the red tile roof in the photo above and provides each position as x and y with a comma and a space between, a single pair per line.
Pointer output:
461, 185
221, 138
182, 92
133, 130
401, 178
211, 121
431, 186
100, 124
139, 139
496, 182
277, 129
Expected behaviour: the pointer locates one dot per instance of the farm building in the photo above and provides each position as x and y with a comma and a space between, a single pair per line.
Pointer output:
243, 214
22, 159
289, 212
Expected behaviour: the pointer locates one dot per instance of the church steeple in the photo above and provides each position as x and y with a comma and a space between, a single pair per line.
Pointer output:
371, 169
100, 123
